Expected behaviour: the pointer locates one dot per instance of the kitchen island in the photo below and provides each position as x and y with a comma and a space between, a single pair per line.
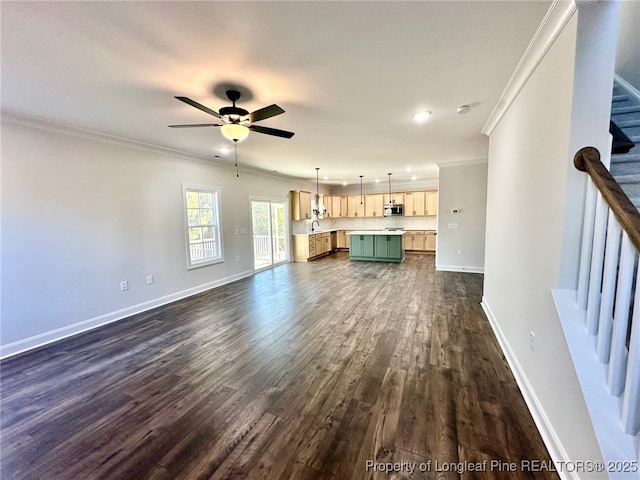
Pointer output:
376, 245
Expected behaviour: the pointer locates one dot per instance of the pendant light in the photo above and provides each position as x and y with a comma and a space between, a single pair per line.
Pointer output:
361, 202
390, 201
317, 210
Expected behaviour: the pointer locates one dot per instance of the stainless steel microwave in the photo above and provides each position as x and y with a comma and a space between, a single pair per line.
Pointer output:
392, 210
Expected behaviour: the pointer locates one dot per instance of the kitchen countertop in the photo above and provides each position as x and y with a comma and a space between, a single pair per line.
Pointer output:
376, 232
317, 231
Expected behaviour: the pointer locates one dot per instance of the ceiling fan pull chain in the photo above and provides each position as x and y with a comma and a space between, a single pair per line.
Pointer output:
235, 147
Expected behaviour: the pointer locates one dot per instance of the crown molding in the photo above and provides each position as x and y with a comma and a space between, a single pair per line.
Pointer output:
18, 119
551, 27
462, 163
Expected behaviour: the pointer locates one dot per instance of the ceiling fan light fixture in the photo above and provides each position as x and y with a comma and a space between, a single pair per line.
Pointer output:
234, 131
422, 116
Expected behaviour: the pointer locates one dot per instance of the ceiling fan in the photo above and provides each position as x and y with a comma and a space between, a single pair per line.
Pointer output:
237, 121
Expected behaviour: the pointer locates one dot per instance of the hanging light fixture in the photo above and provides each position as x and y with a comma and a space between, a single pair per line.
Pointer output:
317, 210
234, 131
390, 201
361, 202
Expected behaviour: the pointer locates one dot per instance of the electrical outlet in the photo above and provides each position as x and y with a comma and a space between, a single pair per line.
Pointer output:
124, 286
459, 251
532, 341
238, 258
149, 279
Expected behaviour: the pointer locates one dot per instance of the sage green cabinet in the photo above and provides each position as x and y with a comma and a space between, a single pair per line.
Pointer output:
361, 246
376, 247
388, 246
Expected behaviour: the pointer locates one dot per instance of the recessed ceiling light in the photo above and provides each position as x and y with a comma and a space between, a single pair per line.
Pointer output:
408, 169
462, 109
325, 177
421, 117
224, 149
344, 184
413, 178
377, 180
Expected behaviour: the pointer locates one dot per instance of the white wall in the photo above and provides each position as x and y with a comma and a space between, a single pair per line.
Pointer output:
81, 213
383, 187
530, 181
462, 187
628, 54
407, 223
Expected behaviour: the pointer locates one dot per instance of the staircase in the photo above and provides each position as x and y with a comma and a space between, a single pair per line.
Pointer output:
601, 320
625, 113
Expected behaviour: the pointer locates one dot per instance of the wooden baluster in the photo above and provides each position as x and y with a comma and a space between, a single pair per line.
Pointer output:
630, 404
611, 257
618, 358
587, 244
597, 260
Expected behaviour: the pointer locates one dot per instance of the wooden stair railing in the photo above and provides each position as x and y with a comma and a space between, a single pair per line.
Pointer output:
587, 160
609, 287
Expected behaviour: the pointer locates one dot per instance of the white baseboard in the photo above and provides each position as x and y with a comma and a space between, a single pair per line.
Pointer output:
551, 440
459, 268
42, 339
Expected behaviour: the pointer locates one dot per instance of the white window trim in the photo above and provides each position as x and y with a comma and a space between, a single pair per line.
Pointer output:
218, 216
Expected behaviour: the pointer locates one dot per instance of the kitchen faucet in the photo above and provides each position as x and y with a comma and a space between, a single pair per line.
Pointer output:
315, 221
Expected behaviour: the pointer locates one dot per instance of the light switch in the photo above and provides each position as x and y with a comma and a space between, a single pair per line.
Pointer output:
452, 226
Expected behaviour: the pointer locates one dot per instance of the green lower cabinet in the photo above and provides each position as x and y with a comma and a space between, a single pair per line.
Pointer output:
361, 246
376, 248
388, 246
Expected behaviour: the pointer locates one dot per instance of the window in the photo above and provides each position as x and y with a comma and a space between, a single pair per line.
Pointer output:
202, 220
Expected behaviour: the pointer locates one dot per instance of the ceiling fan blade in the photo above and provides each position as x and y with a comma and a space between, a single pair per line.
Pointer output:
266, 112
199, 106
271, 131
191, 125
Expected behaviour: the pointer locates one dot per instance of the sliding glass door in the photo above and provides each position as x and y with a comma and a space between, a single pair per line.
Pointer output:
270, 232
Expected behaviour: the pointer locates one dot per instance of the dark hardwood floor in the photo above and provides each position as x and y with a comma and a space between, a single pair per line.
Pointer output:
320, 370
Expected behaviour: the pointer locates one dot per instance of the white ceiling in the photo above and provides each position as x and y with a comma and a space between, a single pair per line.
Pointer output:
349, 75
